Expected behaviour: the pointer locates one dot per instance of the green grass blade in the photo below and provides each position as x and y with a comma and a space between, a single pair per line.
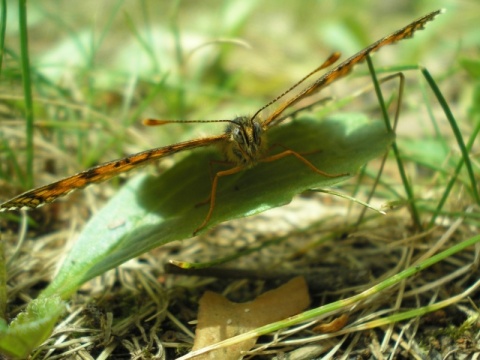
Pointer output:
27, 89
3, 281
456, 132
3, 27
145, 43
456, 172
396, 151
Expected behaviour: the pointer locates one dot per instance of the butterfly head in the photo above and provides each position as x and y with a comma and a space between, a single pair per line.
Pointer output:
246, 141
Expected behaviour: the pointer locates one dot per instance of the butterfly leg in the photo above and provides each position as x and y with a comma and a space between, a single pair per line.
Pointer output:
237, 169
212, 176
213, 193
289, 152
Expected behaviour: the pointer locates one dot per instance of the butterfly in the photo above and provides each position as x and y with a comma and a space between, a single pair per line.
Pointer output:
243, 142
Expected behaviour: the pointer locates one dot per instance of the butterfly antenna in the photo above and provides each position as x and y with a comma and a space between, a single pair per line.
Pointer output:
331, 59
156, 122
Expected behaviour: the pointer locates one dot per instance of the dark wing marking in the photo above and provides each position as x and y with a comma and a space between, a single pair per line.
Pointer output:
48, 193
346, 66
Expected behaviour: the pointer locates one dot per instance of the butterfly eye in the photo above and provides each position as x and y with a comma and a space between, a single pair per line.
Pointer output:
238, 135
257, 133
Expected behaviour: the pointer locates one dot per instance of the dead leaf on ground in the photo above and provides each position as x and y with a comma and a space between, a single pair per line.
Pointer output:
333, 326
220, 319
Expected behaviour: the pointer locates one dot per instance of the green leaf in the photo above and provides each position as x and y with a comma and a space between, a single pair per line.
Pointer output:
31, 327
151, 211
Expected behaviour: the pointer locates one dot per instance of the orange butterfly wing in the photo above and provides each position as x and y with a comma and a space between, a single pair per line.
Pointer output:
346, 66
48, 193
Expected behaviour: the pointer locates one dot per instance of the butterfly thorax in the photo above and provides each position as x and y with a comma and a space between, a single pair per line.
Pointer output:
246, 141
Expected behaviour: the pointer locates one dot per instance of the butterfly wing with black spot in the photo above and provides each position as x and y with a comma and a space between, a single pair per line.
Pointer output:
48, 193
